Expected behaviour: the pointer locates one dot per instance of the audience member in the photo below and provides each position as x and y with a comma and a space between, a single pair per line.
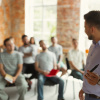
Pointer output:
77, 60
32, 40
57, 50
29, 59
11, 63
45, 62
34, 46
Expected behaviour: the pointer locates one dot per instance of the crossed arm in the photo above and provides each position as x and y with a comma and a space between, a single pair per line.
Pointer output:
27, 55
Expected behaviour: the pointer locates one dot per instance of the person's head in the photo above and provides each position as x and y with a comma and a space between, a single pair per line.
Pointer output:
32, 40
54, 40
92, 24
12, 39
25, 39
9, 44
42, 45
75, 43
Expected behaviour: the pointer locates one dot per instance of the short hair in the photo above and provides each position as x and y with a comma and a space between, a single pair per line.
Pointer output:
53, 37
41, 41
23, 36
93, 18
74, 39
11, 37
6, 40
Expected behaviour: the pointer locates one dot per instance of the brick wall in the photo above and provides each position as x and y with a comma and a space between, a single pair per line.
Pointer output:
12, 20
5, 20
68, 14
18, 20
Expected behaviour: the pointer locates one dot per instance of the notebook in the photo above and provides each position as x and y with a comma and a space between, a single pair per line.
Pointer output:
52, 73
9, 78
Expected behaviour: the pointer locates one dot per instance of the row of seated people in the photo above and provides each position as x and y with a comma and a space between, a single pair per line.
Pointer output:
29, 61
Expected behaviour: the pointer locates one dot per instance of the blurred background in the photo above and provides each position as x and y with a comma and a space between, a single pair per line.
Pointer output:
45, 18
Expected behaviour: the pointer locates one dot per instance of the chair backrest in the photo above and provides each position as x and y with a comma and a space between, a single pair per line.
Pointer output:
67, 63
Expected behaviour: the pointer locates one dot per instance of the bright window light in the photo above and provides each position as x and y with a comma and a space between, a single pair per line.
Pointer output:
41, 19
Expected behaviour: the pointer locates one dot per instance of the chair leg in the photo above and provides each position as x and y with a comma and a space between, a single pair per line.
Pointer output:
65, 86
35, 87
73, 89
56, 89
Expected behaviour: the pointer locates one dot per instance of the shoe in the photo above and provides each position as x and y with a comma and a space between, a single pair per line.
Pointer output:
29, 85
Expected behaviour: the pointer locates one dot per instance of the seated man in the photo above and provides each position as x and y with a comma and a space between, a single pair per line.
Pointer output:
57, 50
45, 62
77, 60
11, 64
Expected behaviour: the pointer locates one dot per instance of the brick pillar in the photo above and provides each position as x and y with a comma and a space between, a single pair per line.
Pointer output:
5, 20
68, 18
18, 20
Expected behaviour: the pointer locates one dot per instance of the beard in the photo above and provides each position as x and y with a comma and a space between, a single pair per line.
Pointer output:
44, 48
26, 43
90, 37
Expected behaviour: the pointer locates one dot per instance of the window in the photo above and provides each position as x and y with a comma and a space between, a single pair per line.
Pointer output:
41, 18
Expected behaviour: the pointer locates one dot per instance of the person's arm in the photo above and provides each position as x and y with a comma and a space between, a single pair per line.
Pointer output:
39, 70
75, 68
2, 71
54, 62
20, 66
27, 55
60, 58
92, 78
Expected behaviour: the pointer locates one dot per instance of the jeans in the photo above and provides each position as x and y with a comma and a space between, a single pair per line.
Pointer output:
41, 81
76, 74
90, 98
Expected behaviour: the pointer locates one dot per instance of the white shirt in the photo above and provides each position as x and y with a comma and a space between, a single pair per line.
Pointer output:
77, 57
29, 49
46, 60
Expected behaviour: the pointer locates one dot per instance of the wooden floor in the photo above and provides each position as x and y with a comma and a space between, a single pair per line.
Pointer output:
71, 90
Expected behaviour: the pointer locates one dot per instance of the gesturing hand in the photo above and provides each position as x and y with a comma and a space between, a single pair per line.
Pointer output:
92, 78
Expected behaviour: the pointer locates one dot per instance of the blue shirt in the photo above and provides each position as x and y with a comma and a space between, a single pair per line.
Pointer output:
92, 60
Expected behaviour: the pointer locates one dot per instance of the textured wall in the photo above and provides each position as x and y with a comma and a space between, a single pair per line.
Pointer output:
68, 21
5, 20
12, 20
18, 20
